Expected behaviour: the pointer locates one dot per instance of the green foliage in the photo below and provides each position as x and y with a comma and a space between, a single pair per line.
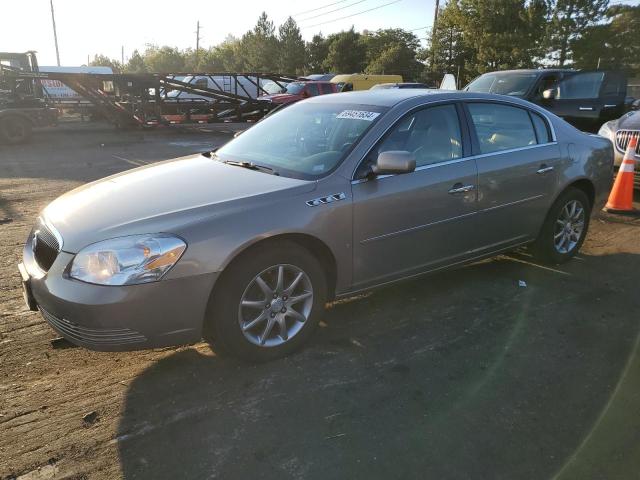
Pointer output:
346, 54
613, 45
292, 54
471, 37
317, 51
104, 61
569, 21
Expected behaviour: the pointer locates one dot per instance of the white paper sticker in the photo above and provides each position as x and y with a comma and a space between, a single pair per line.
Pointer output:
358, 115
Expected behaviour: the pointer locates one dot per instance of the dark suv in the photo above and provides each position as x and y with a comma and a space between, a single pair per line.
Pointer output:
585, 99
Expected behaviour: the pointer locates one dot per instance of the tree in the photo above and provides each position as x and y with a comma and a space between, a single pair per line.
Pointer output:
392, 51
570, 20
317, 51
260, 46
449, 52
228, 56
164, 59
104, 61
136, 63
292, 54
346, 53
613, 45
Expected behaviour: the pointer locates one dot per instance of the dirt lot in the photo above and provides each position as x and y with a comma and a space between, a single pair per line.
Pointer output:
464, 374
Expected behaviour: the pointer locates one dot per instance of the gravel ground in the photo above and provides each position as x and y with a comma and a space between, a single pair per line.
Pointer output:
464, 374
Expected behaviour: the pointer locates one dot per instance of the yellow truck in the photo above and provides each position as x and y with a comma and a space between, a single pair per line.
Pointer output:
362, 81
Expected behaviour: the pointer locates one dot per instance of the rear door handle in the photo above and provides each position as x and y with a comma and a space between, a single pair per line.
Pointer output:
544, 169
459, 188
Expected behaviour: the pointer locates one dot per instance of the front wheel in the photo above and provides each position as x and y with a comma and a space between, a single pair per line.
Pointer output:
268, 303
565, 228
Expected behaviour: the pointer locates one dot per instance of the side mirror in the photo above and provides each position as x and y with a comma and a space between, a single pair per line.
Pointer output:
635, 105
305, 94
394, 162
549, 94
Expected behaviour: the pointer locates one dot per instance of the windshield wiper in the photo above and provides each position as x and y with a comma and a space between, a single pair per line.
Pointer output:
251, 166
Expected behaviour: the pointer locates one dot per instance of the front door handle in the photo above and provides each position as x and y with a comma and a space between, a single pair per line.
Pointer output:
544, 169
586, 109
459, 188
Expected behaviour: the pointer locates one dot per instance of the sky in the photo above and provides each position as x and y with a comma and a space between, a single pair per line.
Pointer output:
92, 27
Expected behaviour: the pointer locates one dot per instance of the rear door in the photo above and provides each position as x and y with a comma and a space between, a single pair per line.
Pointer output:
588, 99
518, 160
408, 223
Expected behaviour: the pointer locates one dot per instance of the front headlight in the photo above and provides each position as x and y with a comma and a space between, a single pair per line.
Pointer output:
127, 260
605, 130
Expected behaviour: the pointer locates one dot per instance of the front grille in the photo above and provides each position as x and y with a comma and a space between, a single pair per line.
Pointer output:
45, 246
92, 336
623, 137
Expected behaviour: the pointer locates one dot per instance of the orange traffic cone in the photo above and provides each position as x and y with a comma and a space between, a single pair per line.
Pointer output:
621, 196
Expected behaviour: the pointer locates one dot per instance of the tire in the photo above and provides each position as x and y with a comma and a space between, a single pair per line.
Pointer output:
288, 333
14, 129
557, 242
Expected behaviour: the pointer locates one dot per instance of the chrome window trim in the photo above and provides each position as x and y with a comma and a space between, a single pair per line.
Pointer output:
541, 112
457, 160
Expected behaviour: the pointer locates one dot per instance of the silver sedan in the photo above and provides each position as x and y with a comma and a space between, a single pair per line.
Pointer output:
333, 195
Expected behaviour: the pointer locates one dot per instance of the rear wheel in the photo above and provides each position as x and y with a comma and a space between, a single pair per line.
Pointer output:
268, 304
14, 129
565, 227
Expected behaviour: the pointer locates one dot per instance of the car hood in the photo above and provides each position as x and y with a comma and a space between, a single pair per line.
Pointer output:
629, 121
163, 197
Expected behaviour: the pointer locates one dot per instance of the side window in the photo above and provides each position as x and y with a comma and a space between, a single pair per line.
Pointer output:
202, 82
580, 86
547, 82
432, 135
312, 88
501, 127
542, 130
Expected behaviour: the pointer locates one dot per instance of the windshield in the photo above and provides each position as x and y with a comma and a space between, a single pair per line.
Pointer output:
305, 140
515, 84
272, 87
295, 88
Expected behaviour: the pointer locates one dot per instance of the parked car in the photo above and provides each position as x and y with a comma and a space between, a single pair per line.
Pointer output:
295, 91
328, 197
585, 99
620, 132
361, 81
399, 85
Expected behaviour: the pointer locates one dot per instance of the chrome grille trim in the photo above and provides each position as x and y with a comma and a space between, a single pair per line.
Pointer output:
92, 336
623, 137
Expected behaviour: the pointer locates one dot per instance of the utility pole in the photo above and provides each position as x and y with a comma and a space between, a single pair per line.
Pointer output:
433, 36
55, 34
122, 56
197, 39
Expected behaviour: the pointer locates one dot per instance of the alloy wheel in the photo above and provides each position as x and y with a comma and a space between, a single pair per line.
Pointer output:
275, 305
569, 227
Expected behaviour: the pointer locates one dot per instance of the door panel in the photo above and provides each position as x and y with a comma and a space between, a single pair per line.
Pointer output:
407, 223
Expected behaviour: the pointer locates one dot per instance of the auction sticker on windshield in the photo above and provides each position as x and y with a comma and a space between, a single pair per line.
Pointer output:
358, 115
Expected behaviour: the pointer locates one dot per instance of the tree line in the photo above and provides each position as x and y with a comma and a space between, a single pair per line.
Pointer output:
471, 37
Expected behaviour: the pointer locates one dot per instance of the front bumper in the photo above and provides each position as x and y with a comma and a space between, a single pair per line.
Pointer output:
117, 318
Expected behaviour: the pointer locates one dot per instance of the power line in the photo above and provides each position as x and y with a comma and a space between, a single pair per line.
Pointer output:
331, 11
352, 15
319, 8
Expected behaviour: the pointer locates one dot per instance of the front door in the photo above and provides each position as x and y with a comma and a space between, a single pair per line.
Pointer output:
588, 99
408, 223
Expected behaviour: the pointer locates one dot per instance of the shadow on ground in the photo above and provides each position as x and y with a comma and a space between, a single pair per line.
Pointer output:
459, 375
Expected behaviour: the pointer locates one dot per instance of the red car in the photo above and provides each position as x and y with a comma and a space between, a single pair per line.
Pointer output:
300, 90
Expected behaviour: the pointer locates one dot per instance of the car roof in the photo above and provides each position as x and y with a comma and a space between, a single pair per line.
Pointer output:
531, 70
388, 97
